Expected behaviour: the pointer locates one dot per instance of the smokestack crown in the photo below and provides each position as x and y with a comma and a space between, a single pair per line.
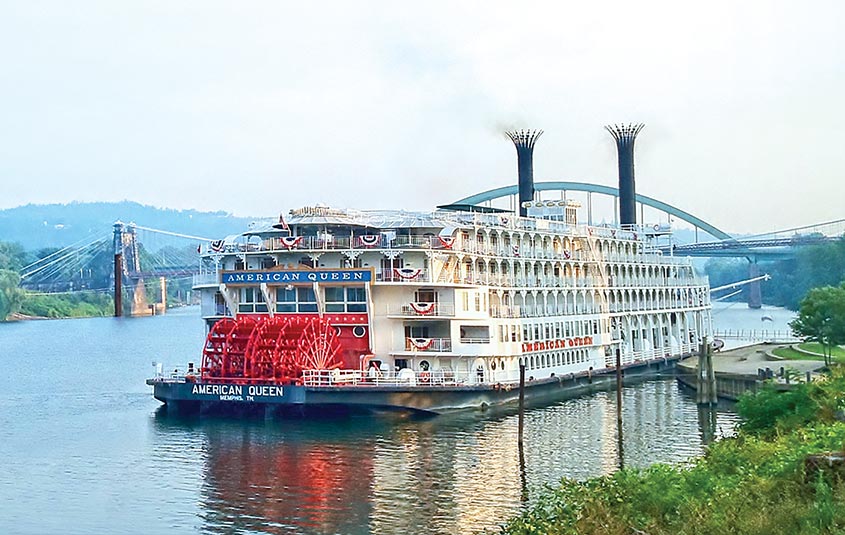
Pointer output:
524, 141
625, 135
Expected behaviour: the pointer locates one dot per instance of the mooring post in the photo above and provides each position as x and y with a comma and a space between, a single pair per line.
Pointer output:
521, 401
619, 408
706, 394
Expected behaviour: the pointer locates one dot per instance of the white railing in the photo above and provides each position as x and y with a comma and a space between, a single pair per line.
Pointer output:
406, 377
757, 335
390, 275
428, 344
206, 278
422, 310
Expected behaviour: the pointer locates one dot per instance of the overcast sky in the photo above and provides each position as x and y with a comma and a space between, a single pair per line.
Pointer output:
257, 107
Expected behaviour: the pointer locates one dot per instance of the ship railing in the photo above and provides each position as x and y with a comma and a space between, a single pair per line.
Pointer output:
384, 241
421, 310
428, 344
505, 311
397, 275
205, 279
404, 377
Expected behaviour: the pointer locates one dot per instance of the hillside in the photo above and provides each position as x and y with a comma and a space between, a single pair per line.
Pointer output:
56, 225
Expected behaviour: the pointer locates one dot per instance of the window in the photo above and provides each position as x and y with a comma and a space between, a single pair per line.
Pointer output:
251, 301
285, 300
307, 301
424, 295
356, 299
335, 299
416, 331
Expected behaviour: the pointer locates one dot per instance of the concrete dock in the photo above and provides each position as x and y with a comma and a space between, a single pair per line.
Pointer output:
737, 370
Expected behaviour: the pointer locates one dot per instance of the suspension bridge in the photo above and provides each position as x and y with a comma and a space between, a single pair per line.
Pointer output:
137, 264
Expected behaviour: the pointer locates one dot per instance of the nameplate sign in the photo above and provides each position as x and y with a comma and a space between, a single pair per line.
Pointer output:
297, 276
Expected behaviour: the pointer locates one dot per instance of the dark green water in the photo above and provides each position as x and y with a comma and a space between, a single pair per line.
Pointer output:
84, 449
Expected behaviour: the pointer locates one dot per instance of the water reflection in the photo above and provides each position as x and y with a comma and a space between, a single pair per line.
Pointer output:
452, 474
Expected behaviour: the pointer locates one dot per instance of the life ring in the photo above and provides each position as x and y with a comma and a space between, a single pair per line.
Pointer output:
425, 377
656, 227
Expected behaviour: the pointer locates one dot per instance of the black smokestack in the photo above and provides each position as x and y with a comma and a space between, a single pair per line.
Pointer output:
625, 137
524, 141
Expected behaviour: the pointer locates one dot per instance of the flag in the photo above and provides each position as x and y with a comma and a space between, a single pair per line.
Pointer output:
199, 248
282, 225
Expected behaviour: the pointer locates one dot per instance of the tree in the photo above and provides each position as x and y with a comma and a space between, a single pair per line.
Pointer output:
12, 256
11, 295
821, 318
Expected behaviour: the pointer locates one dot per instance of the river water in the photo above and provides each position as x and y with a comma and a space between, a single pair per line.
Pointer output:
86, 450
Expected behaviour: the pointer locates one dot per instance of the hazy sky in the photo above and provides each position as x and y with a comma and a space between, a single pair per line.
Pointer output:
256, 107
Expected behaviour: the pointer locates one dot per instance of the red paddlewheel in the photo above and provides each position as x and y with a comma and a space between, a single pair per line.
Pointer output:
318, 347
269, 350
225, 348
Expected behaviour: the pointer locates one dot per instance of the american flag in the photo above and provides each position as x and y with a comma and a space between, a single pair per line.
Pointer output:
282, 225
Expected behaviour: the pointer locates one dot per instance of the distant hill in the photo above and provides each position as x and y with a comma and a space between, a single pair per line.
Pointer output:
36, 226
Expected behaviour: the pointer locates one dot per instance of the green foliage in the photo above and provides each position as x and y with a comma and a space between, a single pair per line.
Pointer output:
755, 483
10, 293
770, 409
821, 317
12, 256
76, 305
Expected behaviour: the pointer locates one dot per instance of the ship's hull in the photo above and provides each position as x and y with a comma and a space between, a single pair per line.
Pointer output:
222, 399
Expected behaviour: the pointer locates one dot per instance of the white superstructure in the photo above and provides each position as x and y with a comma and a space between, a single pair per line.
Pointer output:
463, 296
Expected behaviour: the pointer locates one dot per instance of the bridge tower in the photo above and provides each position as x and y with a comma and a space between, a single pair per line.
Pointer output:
128, 275
625, 135
755, 292
118, 268
524, 141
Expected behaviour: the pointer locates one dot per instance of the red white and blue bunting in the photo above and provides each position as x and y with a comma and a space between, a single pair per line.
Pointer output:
515, 250
291, 241
217, 245
369, 240
446, 241
566, 254
423, 308
407, 273
421, 343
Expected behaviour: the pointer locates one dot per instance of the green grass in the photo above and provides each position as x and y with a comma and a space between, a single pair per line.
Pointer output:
837, 351
791, 354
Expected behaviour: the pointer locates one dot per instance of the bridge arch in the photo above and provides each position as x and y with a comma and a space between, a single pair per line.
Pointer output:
505, 191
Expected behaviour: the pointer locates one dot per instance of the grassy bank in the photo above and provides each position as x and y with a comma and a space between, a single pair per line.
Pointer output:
75, 305
813, 352
755, 483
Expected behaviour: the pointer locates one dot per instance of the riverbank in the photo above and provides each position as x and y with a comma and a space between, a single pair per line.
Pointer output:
764, 480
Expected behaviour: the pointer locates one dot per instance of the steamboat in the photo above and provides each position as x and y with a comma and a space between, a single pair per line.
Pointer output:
428, 312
